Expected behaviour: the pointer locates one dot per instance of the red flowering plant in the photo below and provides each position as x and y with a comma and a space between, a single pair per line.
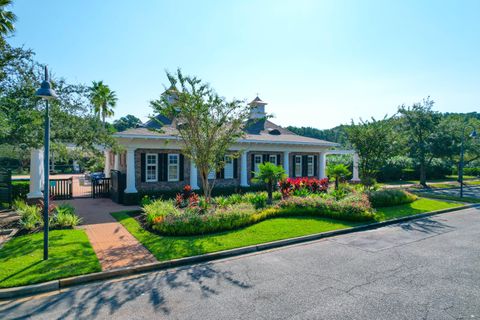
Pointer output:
186, 198
302, 186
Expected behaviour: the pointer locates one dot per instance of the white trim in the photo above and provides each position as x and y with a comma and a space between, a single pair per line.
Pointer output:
241, 141
151, 165
297, 173
176, 155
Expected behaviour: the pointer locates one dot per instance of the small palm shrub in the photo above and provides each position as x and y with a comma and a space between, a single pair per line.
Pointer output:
390, 197
30, 215
259, 200
269, 174
65, 217
339, 172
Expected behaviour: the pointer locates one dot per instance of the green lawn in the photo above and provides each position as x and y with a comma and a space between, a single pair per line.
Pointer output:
422, 205
165, 248
21, 259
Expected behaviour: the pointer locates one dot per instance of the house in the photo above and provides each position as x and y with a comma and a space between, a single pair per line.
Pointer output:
154, 162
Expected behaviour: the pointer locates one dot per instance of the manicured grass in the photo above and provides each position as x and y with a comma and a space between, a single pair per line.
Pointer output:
165, 248
422, 205
21, 259
432, 195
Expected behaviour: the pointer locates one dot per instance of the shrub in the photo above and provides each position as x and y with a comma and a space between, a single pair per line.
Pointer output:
355, 207
20, 189
156, 210
390, 197
30, 215
166, 219
259, 200
65, 217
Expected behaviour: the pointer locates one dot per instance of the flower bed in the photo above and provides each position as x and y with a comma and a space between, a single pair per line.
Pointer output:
191, 215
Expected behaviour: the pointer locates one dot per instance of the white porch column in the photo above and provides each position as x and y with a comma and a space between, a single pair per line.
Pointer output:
107, 167
322, 160
116, 163
286, 162
36, 174
193, 176
244, 170
355, 176
131, 171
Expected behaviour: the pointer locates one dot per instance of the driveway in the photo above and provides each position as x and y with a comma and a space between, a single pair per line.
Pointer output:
468, 191
425, 269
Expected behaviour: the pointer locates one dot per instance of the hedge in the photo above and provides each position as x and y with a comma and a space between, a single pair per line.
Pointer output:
134, 198
390, 198
20, 189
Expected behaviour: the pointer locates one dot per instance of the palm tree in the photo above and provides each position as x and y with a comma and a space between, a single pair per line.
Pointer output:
339, 172
270, 174
7, 18
103, 100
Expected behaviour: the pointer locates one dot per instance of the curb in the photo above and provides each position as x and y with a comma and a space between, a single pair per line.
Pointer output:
55, 285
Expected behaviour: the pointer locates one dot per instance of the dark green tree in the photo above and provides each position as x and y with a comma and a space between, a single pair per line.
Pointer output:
420, 124
375, 142
126, 122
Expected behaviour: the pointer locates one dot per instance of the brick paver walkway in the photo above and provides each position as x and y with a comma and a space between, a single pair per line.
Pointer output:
114, 245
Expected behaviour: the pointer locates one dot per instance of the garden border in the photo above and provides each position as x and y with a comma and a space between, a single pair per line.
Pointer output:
54, 285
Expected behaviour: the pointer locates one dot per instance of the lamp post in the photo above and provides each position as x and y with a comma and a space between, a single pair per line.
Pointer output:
46, 93
473, 134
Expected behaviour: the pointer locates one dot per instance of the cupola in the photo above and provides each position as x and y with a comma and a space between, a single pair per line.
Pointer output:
258, 108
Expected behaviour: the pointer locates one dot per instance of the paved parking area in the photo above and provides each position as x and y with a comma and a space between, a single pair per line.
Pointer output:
423, 269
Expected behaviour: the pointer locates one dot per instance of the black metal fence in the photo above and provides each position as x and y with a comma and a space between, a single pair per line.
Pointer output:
61, 189
118, 184
5, 189
101, 188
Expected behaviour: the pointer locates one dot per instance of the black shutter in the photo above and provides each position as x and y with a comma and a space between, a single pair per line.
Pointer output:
182, 167
252, 169
293, 166
221, 173
265, 158
162, 166
304, 166
315, 166
278, 160
235, 168
142, 167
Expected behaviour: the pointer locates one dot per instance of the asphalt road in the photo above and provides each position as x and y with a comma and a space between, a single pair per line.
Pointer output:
425, 269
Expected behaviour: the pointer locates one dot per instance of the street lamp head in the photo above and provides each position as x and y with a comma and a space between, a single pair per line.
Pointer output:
45, 91
473, 134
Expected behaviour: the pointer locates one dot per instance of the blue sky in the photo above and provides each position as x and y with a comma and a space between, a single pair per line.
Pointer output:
317, 63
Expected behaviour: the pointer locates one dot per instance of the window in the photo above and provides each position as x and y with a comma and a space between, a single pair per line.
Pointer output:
258, 159
298, 166
151, 167
211, 175
273, 159
173, 167
310, 168
228, 170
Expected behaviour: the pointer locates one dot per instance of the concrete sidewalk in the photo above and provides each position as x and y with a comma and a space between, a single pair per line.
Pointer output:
114, 245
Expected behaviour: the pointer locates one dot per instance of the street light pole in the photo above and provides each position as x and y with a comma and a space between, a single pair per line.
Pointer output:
460, 169
46, 188
462, 156
46, 92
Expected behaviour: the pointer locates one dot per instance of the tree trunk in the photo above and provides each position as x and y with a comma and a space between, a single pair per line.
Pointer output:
269, 191
336, 183
423, 174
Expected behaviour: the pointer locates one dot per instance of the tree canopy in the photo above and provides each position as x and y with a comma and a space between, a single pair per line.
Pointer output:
207, 124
